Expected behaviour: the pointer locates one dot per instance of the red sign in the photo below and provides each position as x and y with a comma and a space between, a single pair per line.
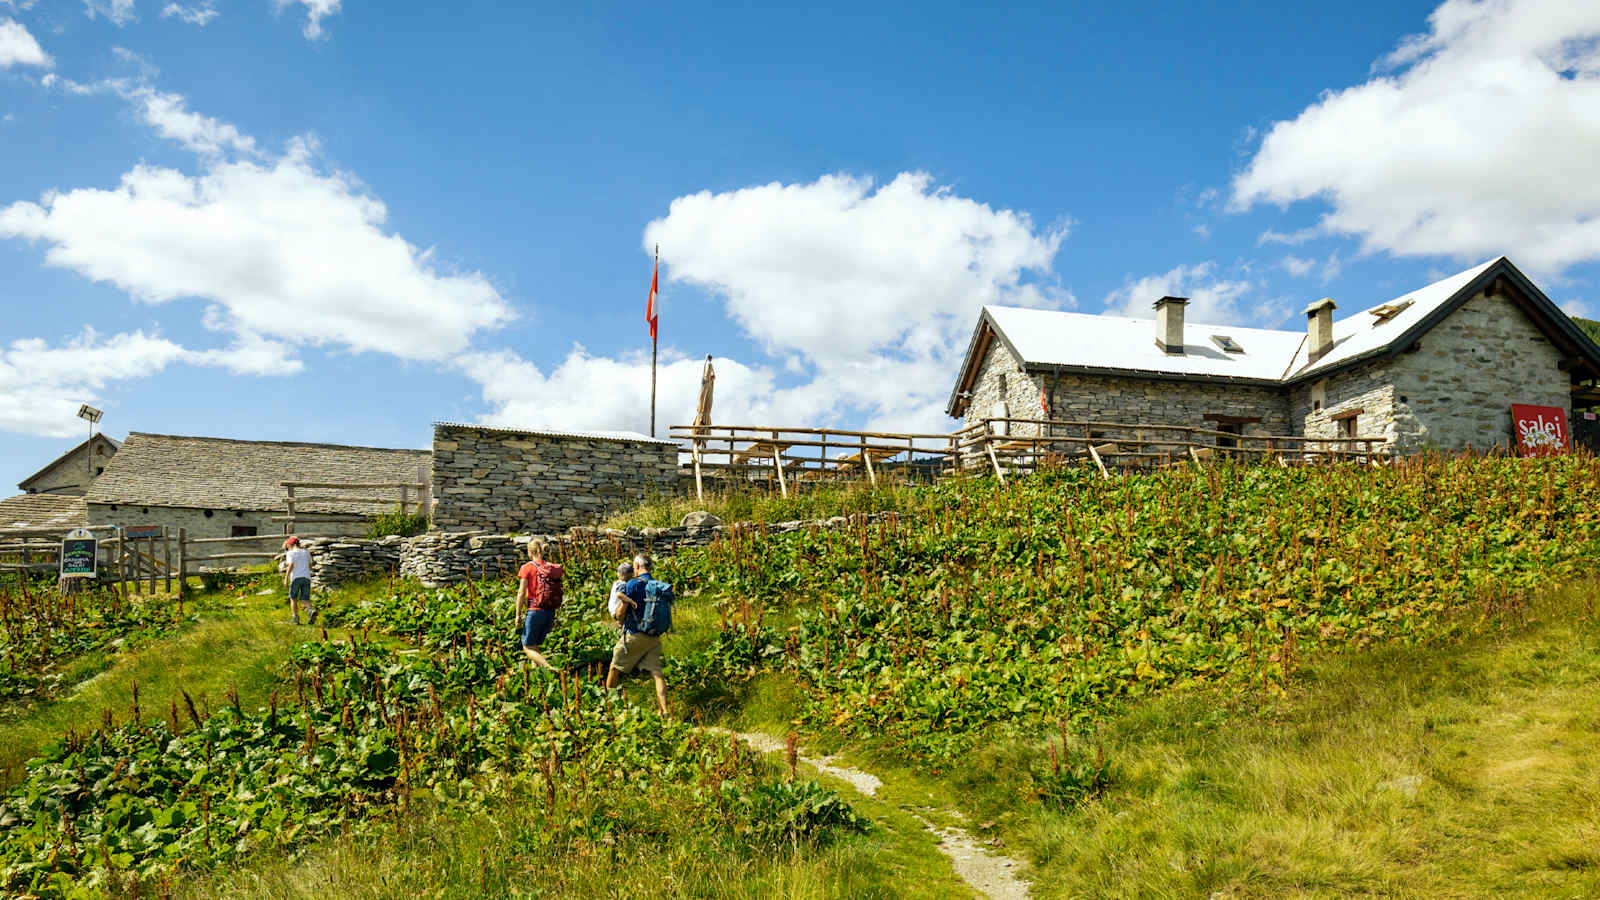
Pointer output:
1540, 430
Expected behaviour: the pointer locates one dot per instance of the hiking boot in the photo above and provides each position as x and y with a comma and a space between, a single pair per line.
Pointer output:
312, 619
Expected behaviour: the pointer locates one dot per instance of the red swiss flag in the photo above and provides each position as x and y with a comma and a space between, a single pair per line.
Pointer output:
650, 305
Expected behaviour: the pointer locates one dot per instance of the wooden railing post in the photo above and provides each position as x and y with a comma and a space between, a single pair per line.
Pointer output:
183, 567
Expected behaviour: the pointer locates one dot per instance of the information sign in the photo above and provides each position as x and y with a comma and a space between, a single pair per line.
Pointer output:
78, 554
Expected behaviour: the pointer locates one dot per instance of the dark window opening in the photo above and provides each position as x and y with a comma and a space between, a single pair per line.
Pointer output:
243, 531
208, 513
1230, 437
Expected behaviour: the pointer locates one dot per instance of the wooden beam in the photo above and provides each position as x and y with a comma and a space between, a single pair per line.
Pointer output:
1099, 464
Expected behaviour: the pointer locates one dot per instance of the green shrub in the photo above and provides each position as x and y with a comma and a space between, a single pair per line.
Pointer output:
397, 522
789, 812
1072, 777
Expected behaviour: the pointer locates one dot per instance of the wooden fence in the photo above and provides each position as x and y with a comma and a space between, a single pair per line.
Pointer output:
790, 458
144, 561
1011, 444
407, 496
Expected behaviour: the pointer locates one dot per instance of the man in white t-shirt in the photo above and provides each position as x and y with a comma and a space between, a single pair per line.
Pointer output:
297, 575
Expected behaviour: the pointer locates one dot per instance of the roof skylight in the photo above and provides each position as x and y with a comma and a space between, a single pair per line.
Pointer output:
1387, 311
1228, 344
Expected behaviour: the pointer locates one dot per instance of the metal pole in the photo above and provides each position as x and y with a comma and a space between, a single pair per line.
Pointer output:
654, 327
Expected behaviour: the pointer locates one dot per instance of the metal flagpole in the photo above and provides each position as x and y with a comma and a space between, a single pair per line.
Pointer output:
655, 300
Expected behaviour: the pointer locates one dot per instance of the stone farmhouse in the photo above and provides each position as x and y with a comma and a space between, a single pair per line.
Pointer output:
219, 487
1438, 367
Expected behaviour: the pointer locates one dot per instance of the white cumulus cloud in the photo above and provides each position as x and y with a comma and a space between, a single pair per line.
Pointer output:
41, 385
316, 11
19, 48
170, 116
1476, 138
285, 250
199, 14
119, 12
862, 296
1212, 298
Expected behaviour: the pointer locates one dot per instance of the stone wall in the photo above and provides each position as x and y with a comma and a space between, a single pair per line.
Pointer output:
1136, 401
1455, 391
498, 480
199, 523
1368, 388
1149, 401
1001, 379
439, 558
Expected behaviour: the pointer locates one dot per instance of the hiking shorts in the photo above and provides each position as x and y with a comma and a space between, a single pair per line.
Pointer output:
300, 591
535, 625
640, 650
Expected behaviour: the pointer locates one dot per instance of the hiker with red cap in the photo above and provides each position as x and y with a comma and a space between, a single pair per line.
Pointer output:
297, 575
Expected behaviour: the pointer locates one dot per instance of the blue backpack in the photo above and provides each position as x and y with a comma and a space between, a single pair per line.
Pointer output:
653, 617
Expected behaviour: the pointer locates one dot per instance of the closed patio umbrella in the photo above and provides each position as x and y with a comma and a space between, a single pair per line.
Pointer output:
702, 412
702, 421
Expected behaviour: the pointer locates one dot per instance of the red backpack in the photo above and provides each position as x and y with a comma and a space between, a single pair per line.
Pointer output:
546, 593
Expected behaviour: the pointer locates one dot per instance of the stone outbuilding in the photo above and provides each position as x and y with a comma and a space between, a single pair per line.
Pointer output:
73, 472
1439, 367
219, 487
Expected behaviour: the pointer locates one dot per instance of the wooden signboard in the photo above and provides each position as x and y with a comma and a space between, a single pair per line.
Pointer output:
78, 554
1540, 430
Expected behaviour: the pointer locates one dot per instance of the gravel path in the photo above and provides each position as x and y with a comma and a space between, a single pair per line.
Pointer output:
990, 874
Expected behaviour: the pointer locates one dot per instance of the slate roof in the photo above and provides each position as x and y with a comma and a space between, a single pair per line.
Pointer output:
1116, 345
221, 473
47, 511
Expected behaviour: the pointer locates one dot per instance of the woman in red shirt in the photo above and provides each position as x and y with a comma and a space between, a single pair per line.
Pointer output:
538, 598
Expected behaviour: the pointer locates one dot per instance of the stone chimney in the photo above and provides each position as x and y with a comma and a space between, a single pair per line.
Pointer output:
1169, 323
1319, 327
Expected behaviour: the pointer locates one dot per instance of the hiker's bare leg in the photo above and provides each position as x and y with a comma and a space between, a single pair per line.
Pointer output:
613, 678
661, 691
538, 658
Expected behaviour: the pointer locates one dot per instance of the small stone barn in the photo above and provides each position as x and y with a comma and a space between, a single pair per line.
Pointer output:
72, 472
1439, 367
219, 487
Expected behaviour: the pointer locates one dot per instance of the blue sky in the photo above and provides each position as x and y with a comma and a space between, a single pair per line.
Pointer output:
339, 220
